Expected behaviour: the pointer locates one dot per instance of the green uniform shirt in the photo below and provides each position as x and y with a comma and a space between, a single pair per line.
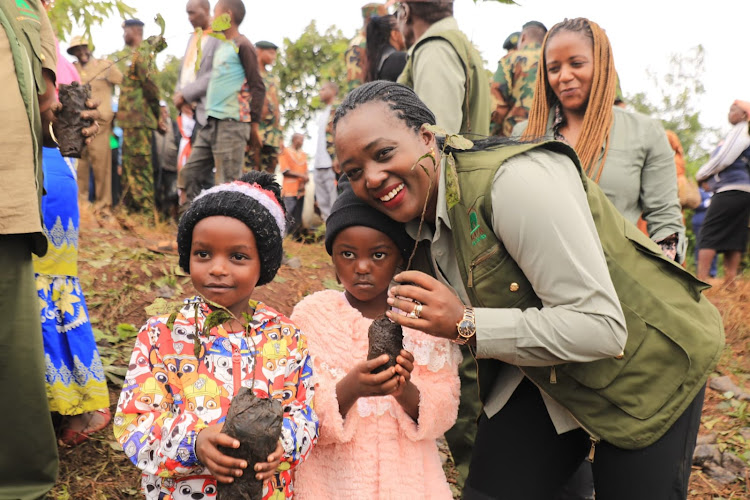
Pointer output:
270, 125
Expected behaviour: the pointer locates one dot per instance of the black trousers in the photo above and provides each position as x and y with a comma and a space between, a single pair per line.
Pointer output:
518, 455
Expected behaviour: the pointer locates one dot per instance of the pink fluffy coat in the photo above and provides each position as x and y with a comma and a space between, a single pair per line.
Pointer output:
377, 451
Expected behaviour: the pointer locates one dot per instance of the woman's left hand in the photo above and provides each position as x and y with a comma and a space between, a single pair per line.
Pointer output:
440, 310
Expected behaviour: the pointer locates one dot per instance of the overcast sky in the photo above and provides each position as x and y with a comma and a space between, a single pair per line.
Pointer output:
644, 33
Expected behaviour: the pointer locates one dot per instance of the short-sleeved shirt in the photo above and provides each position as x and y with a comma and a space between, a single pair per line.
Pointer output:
102, 75
235, 65
296, 162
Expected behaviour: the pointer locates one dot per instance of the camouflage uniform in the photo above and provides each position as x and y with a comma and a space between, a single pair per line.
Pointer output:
138, 116
269, 127
355, 58
513, 86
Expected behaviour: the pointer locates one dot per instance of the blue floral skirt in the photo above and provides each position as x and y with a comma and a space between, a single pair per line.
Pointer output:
74, 371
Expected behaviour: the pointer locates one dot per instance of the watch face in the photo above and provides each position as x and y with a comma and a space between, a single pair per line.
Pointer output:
466, 327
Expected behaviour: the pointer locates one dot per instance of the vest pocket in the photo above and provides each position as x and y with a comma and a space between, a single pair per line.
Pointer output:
492, 273
651, 250
631, 383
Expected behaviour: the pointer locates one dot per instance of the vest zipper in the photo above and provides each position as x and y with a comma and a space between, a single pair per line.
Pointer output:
236, 369
476, 262
592, 437
590, 458
552, 375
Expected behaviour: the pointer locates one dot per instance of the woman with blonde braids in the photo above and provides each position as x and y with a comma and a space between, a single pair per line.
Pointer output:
626, 153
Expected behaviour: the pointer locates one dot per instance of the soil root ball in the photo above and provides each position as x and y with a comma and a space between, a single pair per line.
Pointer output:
69, 125
385, 337
256, 424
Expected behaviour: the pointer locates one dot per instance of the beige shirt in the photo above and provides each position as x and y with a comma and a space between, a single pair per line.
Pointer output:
541, 215
19, 205
102, 75
640, 177
439, 78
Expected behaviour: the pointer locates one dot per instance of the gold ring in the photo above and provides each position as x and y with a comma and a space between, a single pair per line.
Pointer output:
417, 312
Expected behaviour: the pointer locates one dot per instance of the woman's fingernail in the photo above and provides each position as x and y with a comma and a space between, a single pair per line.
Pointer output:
243, 465
257, 476
238, 473
390, 301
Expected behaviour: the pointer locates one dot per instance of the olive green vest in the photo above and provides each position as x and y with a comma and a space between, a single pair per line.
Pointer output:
675, 335
476, 105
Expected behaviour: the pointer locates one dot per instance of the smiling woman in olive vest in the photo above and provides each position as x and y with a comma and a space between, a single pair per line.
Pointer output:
589, 342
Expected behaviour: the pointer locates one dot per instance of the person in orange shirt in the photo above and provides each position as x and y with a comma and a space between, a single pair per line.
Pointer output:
293, 162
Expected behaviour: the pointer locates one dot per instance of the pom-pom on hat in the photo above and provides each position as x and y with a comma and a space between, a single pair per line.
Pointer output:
348, 210
254, 200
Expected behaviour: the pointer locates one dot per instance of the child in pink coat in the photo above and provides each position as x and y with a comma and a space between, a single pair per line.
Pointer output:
377, 432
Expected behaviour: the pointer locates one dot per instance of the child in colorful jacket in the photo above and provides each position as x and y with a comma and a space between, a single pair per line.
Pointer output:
186, 368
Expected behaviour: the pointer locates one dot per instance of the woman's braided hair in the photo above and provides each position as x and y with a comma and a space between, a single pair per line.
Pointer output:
409, 108
400, 98
597, 121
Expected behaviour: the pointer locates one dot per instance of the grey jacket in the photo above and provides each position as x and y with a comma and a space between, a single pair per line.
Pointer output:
195, 92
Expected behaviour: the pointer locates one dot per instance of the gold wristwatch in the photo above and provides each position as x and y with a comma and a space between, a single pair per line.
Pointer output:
467, 327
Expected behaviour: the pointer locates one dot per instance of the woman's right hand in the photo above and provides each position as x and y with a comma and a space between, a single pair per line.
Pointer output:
223, 467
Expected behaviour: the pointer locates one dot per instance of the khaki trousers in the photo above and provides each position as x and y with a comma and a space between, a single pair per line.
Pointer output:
97, 156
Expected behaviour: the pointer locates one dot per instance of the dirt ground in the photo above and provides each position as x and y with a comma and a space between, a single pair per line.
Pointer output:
124, 283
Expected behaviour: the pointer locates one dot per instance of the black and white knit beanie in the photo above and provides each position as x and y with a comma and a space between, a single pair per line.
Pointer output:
348, 210
255, 200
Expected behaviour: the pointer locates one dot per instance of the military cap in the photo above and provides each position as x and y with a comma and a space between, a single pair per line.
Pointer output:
265, 44
535, 24
132, 22
373, 9
77, 41
511, 42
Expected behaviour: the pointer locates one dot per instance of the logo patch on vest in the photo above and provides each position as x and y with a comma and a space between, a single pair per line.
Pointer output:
477, 233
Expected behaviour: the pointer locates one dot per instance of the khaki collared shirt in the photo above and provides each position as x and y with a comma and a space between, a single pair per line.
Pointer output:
19, 203
439, 78
102, 75
541, 215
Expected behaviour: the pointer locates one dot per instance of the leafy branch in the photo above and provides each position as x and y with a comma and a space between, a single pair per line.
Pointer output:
151, 45
453, 195
86, 13
218, 26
